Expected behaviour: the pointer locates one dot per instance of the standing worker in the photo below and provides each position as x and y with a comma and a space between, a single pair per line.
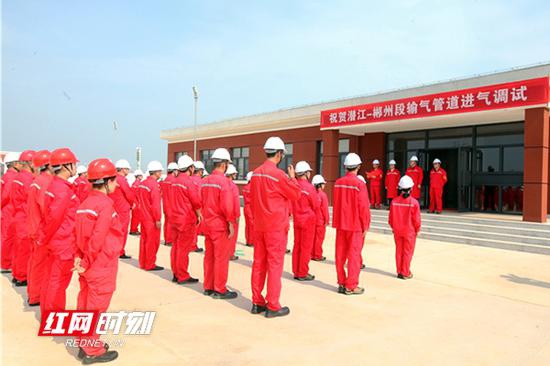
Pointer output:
438, 179
392, 180
99, 238
123, 199
200, 173
404, 220
351, 219
219, 226
149, 211
304, 213
248, 218
322, 218
417, 175
165, 184
271, 195
81, 184
375, 179
231, 174
8, 228
134, 221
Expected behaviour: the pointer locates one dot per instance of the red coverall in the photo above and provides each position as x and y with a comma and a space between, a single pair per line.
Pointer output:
35, 219
404, 220
197, 180
22, 247
392, 181
134, 221
123, 198
58, 235
218, 211
438, 178
237, 214
82, 187
322, 220
165, 187
417, 175
8, 225
248, 218
375, 180
149, 211
351, 218
272, 192
184, 203
304, 212
99, 238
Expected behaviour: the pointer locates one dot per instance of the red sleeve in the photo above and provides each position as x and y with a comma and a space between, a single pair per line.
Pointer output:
6, 190
96, 243
416, 217
324, 208
364, 208
290, 187
127, 191
227, 202
57, 208
313, 199
155, 202
390, 217
194, 198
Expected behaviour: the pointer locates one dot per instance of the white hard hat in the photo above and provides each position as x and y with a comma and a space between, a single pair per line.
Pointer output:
248, 176
138, 172
198, 165
274, 143
302, 167
11, 157
122, 164
205, 173
185, 162
437, 161
154, 166
413, 158
221, 154
392, 162
81, 169
318, 179
362, 179
173, 166
376, 161
352, 160
406, 182
231, 170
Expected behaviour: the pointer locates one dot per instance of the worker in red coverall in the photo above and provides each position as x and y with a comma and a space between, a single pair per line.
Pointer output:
99, 238
219, 224
231, 174
149, 210
322, 218
82, 186
404, 219
8, 226
351, 219
248, 218
272, 193
197, 179
392, 180
186, 215
57, 233
375, 180
123, 198
417, 175
438, 179
165, 186
304, 213
134, 221
35, 219
19, 200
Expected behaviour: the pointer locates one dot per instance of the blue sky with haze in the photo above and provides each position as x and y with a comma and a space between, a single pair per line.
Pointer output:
71, 68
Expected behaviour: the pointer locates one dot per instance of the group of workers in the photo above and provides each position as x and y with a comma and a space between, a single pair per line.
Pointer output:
53, 225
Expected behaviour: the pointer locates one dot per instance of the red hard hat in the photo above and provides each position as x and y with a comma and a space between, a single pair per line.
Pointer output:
100, 169
62, 156
27, 155
41, 158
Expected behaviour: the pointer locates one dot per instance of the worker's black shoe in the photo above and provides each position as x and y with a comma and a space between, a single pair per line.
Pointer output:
81, 353
363, 266
156, 268
308, 277
33, 304
5, 270
355, 291
438, 212
125, 256
341, 289
106, 357
188, 281
249, 245
20, 283
13, 280
174, 278
234, 258
257, 309
287, 251
225, 296
198, 250
168, 244
320, 259
136, 233
208, 292
281, 312
400, 276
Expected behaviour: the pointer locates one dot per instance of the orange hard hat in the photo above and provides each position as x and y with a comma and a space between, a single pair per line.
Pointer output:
100, 169
27, 156
41, 158
62, 156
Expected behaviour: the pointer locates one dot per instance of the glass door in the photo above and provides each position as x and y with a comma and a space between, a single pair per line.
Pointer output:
464, 179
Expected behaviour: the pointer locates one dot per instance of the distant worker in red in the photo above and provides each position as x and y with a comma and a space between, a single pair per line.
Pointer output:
19, 198
219, 225
8, 226
322, 218
375, 180
272, 193
404, 219
351, 219
200, 173
392, 180
165, 184
304, 213
438, 179
417, 175
150, 212
248, 218
82, 186
231, 174
134, 221
123, 199
99, 237
57, 233
35, 220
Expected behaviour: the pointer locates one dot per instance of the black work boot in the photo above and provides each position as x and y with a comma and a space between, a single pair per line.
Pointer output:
106, 357
227, 295
257, 309
274, 314
188, 281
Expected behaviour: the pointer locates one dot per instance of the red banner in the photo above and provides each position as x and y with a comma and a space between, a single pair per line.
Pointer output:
498, 96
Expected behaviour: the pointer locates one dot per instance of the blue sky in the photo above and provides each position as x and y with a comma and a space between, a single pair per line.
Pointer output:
71, 68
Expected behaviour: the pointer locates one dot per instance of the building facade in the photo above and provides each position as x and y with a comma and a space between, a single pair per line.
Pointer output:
492, 133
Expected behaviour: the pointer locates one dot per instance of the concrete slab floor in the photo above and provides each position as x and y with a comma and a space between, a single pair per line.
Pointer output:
465, 306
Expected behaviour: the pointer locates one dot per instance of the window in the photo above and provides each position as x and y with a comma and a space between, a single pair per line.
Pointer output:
343, 150
450, 137
502, 134
287, 160
179, 154
407, 141
512, 159
239, 155
488, 159
319, 157
205, 157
